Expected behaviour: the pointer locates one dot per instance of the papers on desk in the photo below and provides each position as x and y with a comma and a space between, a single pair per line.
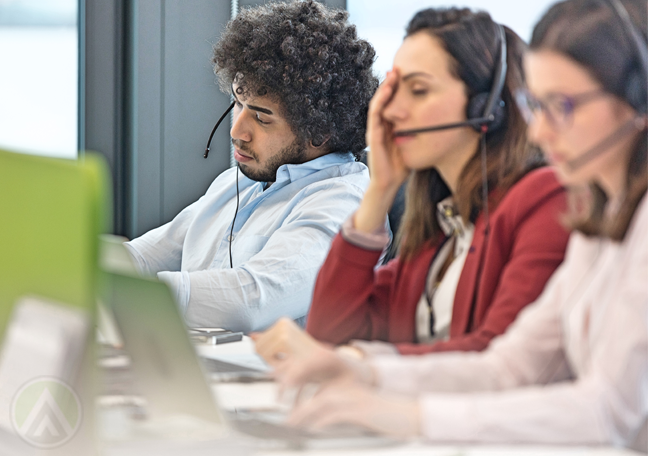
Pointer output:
241, 353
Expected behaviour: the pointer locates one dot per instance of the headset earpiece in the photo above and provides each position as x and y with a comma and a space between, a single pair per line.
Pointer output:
477, 106
488, 105
635, 91
485, 111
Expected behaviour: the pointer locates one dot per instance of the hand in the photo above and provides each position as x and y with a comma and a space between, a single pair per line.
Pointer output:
386, 167
299, 359
350, 403
284, 340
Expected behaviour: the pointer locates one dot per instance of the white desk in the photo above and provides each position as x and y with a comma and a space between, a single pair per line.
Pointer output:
416, 449
264, 395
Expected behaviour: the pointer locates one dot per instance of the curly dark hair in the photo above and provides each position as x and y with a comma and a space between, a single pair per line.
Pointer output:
309, 59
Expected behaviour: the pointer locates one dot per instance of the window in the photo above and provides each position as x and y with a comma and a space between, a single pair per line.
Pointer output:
383, 22
39, 78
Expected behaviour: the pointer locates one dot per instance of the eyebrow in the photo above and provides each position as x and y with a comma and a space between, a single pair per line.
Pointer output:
263, 110
254, 108
417, 74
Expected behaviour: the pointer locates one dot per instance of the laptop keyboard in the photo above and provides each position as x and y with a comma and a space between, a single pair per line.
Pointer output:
216, 366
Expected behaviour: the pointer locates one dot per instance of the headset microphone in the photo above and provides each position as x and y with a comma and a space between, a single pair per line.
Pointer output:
638, 123
485, 111
231, 236
215, 127
475, 123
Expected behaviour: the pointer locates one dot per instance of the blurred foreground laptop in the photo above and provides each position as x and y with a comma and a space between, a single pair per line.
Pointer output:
53, 211
115, 259
170, 375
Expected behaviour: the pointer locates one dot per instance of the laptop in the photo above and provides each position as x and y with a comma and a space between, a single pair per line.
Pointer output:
54, 210
172, 378
114, 258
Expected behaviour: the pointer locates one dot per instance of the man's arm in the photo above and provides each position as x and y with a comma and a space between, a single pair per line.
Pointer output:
161, 248
278, 278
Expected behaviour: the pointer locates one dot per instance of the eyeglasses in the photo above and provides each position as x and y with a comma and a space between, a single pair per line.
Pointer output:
557, 107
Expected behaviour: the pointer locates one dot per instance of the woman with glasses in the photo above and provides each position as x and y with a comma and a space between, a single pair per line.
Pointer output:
573, 368
467, 264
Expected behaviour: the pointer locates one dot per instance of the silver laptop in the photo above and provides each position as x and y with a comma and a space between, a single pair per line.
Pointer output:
116, 259
170, 375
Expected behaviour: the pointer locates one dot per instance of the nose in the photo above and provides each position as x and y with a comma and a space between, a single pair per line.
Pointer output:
240, 125
541, 131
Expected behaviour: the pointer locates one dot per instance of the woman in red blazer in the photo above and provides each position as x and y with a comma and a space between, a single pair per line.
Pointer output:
502, 273
458, 280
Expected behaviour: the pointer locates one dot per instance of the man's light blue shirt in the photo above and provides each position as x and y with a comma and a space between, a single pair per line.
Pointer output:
281, 238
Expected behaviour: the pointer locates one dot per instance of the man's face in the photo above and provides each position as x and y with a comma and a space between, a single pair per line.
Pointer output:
262, 138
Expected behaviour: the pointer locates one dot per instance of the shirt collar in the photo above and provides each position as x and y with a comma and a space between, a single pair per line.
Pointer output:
291, 173
449, 218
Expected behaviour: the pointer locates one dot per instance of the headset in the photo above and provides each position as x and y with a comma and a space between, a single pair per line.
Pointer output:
486, 110
211, 136
635, 87
635, 90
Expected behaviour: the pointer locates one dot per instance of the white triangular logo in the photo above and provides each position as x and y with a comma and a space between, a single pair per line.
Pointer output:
46, 425
46, 400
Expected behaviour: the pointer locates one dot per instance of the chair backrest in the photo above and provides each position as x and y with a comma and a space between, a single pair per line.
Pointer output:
52, 212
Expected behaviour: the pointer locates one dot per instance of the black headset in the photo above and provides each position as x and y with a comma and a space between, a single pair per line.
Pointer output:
231, 106
635, 91
485, 111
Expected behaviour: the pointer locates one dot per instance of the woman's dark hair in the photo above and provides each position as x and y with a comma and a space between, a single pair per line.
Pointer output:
590, 33
471, 39
309, 59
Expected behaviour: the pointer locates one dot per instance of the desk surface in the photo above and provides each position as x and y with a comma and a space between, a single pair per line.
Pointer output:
418, 449
263, 395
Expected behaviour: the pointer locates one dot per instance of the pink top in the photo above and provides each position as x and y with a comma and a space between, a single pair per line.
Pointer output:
572, 369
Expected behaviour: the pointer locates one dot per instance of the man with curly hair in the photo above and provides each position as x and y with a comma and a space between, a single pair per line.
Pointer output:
249, 250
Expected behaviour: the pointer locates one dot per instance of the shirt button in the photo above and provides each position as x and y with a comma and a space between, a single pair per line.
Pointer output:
230, 237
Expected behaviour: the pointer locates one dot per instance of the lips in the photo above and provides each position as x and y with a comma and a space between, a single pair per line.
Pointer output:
240, 152
240, 157
554, 157
398, 140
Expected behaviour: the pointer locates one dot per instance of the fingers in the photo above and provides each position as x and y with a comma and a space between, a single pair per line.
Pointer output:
291, 373
273, 351
337, 403
345, 403
385, 92
310, 412
381, 98
274, 344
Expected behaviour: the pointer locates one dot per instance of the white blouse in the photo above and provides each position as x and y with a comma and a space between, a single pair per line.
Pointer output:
572, 369
437, 299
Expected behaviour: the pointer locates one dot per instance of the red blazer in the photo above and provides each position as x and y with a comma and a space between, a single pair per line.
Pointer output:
501, 276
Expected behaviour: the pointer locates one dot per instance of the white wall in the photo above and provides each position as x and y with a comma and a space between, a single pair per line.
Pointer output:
382, 22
